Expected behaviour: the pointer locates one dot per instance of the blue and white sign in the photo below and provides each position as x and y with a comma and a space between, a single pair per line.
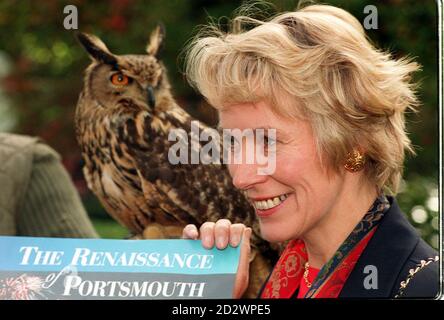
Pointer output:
56, 268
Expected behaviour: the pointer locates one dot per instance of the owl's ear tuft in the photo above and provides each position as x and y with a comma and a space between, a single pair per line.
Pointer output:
155, 45
96, 48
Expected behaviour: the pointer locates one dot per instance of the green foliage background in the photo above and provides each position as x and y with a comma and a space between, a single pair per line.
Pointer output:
41, 67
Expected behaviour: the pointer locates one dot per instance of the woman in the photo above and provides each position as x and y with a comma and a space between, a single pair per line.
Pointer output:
337, 104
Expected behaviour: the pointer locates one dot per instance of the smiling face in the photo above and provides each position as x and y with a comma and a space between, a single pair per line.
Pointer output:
308, 192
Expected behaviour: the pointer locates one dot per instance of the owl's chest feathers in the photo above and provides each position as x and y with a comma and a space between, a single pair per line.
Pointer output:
109, 170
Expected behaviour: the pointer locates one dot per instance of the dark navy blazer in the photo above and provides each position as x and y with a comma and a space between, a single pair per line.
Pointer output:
395, 249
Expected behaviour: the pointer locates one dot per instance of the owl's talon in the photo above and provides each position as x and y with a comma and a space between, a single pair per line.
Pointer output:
154, 231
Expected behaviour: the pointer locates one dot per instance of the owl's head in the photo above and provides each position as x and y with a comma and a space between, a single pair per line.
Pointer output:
138, 78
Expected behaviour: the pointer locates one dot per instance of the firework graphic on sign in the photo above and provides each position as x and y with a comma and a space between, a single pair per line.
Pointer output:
23, 287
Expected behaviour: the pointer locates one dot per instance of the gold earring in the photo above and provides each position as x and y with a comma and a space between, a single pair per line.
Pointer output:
355, 161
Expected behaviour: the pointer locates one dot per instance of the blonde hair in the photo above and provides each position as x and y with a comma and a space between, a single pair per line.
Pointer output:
320, 61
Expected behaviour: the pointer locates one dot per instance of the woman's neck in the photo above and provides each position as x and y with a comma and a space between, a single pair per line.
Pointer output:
326, 237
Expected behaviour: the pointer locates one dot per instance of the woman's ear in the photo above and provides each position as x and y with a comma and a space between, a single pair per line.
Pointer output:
155, 44
96, 49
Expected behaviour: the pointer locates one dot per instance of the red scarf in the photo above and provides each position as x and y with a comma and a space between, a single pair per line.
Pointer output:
287, 274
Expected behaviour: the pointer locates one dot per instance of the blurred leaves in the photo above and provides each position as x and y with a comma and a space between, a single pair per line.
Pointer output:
419, 200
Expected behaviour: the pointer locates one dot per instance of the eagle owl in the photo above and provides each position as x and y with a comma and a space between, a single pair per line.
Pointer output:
123, 118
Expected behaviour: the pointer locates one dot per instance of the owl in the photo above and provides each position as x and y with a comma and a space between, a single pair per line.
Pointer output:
123, 118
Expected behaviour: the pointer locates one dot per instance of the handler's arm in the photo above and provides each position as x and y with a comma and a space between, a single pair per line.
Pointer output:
51, 206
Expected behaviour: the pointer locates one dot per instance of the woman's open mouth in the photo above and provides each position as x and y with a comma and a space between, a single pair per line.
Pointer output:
266, 207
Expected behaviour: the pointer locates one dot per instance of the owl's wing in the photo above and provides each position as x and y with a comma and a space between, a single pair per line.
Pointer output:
145, 153
193, 193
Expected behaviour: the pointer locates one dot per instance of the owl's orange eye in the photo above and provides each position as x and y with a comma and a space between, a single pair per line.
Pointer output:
119, 79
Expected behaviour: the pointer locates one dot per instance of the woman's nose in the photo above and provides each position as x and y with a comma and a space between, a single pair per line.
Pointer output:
245, 175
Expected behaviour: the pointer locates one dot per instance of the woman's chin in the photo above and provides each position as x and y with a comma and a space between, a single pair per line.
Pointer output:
274, 236
280, 230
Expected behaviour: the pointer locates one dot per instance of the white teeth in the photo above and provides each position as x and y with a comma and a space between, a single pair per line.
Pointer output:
276, 201
270, 203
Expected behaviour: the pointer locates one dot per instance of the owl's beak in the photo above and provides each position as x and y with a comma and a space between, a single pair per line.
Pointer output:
151, 97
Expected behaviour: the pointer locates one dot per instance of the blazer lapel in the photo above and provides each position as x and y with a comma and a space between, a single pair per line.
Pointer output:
391, 245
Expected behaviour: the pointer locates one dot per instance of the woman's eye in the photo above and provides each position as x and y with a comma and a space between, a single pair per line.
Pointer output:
119, 79
267, 141
231, 141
